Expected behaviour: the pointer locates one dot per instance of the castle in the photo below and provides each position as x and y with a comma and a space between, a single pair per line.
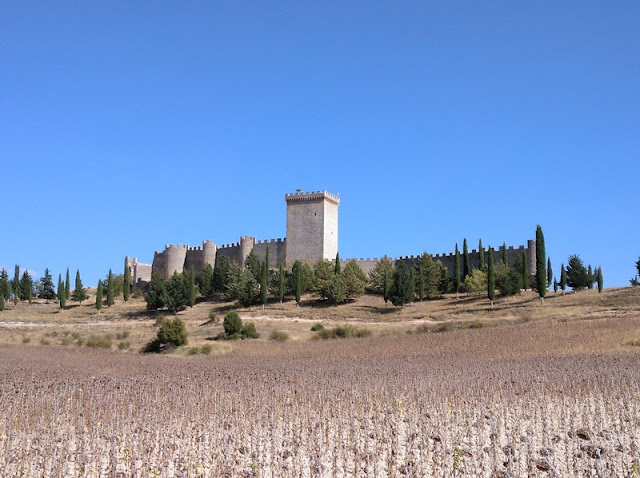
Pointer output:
312, 235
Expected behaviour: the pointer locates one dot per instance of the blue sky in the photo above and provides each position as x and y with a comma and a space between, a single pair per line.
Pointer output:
128, 125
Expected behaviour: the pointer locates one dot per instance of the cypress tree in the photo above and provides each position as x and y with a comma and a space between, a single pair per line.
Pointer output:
99, 297
26, 287
466, 267
505, 254
79, 293
385, 286
67, 286
337, 266
264, 280
62, 298
126, 283
456, 271
190, 286
589, 277
541, 264
16, 284
5, 285
480, 255
109, 289
555, 286
549, 272
563, 278
1, 302
297, 278
600, 281
491, 278
281, 282
525, 272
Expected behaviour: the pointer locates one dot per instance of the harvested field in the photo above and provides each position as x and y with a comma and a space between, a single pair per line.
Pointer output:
530, 398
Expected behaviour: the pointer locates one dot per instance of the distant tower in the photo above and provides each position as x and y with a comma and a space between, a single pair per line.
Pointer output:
312, 226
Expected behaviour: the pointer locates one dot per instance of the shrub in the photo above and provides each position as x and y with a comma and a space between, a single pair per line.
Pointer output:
213, 317
172, 333
99, 342
45, 341
204, 350
422, 329
279, 336
317, 327
344, 332
475, 324
66, 340
232, 323
249, 331
122, 335
123, 345
446, 327
26, 339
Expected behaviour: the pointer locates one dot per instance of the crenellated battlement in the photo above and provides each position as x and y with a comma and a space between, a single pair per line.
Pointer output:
312, 196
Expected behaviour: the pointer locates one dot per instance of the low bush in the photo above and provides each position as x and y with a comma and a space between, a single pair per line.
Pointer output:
249, 331
123, 345
317, 327
344, 332
204, 350
26, 339
446, 327
99, 342
279, 336
45, 341
475, 324
234, 329
122, 334
171, 334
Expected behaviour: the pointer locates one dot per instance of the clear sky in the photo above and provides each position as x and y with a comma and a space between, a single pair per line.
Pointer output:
125, 126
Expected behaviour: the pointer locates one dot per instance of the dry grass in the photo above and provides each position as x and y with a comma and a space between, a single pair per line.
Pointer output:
523, 389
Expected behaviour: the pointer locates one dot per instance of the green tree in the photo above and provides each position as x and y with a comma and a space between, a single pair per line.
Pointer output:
476, 282
491, 278
206, 282
386, 286
156, 295
79, 293
401, 292
426, 277
16, 283
324, 273
383, 269
126, 283
99, 297
62, 298
67, 286
173, 332
1, 302
466, 265
354, 279
5, 285
246, 290
47, 290
252, 264
590, 277
563, 278
177, 295
281, 282
222, 274
189, 279
296, 272
600, 281
337, 265
232, 324
264, 280
336, 291
505, 254
577, 276
549, 272
555, 285
26, 287
110, 289
444, 278
541, 264
508, 279
456, 272
480, 255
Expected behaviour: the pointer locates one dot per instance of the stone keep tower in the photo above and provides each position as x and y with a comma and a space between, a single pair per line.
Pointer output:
312, 226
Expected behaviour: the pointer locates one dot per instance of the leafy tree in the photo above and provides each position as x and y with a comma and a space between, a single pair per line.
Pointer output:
232, 323
302, 279
110, 289
1, 302
264, 281
476, 282
172, 333
541, 264
252, 264
491, 278
590, 277
401, 292
505, 254
456, 272
222, 274
383, 268
354, 279
336, 291
206, 282
337, 265
26, 287
5, 285
426, 277
563, 278
600, 281
190, 287
577, 276
480, 255
99, 297
444, 279
126, 283
67, 286
156, 295
466, 265
16, 283
79, 293
246, 290
386, 285
549, 272
177, 295
62, 298
281, 282
47, 290
324, 273
508, 279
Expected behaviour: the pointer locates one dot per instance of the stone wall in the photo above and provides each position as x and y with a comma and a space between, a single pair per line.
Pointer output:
140, 273
277, 251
